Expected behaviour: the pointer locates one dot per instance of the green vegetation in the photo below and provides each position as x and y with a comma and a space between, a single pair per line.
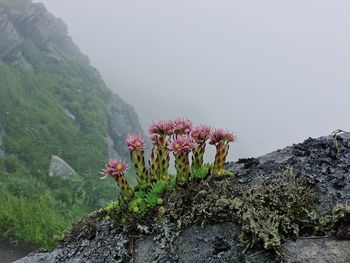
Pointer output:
148, 198
34, 207
276, 211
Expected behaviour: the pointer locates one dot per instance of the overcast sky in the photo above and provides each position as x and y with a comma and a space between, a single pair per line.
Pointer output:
273, 72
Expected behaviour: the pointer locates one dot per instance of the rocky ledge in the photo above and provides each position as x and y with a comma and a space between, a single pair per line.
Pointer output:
261, 214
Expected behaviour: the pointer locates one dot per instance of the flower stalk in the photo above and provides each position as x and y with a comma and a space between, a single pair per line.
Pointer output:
200, 135
181, 147
136, 147
116, 169
221, 139
160, 134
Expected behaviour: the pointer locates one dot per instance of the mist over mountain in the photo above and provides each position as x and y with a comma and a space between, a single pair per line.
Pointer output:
270, 71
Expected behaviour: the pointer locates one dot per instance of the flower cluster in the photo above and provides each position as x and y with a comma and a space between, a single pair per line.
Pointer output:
179, 137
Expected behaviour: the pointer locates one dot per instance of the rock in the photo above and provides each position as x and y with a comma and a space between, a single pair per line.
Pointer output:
107, 246
316, 160
10, 39
112, 153
122, 120
49, 33
69, 114
313, 160
28, 23
321, 250
59, 167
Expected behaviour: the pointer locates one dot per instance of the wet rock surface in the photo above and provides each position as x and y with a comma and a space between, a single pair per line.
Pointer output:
216, 243
106, 246
324, 163
10, 40
122, 120
323, 250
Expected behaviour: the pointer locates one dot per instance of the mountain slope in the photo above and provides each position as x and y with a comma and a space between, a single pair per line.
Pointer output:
52, 102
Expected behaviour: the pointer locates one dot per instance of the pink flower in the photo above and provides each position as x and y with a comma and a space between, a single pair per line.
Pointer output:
201, 133
220, 135
114, 168
182, 143
182, 126
161, 127
135, 142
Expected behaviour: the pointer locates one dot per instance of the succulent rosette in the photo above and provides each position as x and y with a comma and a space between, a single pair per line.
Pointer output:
221, 139
200, 135
136, 146
160, 132
181, 147
116, 169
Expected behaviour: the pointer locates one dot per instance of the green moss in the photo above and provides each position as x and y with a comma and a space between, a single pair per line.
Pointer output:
341, 221
278, 210
112, 207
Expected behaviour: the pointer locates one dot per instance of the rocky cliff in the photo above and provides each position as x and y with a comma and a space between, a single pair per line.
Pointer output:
203, 222
23, 19
23, 24
57, 118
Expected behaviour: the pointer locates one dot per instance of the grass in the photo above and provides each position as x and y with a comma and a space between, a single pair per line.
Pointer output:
33, 206
31, 222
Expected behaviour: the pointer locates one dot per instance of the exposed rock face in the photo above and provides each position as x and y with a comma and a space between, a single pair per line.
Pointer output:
122, 120
32, 21
324, 163
317, 250
112, 153
10, 40
59, 167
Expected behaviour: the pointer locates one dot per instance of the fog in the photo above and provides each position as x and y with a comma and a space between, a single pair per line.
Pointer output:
273, 72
